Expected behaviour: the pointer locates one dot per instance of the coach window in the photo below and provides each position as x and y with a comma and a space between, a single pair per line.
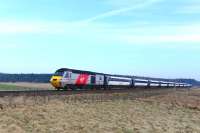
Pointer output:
70, 74
66, 75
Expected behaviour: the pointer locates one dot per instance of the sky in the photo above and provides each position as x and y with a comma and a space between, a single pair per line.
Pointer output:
157, 38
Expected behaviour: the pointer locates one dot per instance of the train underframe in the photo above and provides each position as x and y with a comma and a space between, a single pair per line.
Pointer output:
107, 87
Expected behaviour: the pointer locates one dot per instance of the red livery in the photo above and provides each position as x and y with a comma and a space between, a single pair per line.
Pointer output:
82, 79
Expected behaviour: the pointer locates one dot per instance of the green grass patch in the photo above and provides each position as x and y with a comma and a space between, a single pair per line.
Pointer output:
5, 87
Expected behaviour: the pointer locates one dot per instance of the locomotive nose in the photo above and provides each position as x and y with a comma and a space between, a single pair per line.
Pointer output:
55, 81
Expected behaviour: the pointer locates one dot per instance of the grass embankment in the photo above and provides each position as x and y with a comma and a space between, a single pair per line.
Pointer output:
5, 87
159, 114
24, 86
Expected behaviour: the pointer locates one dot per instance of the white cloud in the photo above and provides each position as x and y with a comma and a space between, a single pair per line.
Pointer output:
14, 27
133, 34
174, 33
115, 12
122, 3
152, 39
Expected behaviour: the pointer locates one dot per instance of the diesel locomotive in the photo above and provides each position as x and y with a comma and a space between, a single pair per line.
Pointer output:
71, 79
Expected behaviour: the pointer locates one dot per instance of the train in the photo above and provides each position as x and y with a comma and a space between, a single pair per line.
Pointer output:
72, 79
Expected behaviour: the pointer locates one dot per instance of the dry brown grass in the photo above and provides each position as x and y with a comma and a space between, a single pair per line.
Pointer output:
150, 115
188, 99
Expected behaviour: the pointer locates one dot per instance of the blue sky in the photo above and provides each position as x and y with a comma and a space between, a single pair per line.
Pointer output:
158, 38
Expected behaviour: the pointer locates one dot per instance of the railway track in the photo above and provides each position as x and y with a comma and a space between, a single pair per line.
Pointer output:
64, 92
44, 96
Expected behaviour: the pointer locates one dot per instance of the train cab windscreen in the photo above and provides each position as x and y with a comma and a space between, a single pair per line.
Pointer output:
59, 73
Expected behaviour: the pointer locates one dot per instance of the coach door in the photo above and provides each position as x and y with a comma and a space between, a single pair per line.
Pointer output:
93, 79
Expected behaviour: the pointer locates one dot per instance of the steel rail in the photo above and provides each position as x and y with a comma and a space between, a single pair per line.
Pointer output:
72, 92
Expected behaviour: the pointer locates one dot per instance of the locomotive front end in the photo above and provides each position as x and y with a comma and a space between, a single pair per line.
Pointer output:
56, 79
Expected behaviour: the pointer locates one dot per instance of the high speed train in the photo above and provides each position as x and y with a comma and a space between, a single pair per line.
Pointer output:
70, 79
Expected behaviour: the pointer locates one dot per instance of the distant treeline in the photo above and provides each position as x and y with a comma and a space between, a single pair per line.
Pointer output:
45, 78
37, 78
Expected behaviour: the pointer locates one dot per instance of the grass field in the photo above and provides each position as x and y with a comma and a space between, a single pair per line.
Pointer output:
24, 86
172, 113
10, 87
